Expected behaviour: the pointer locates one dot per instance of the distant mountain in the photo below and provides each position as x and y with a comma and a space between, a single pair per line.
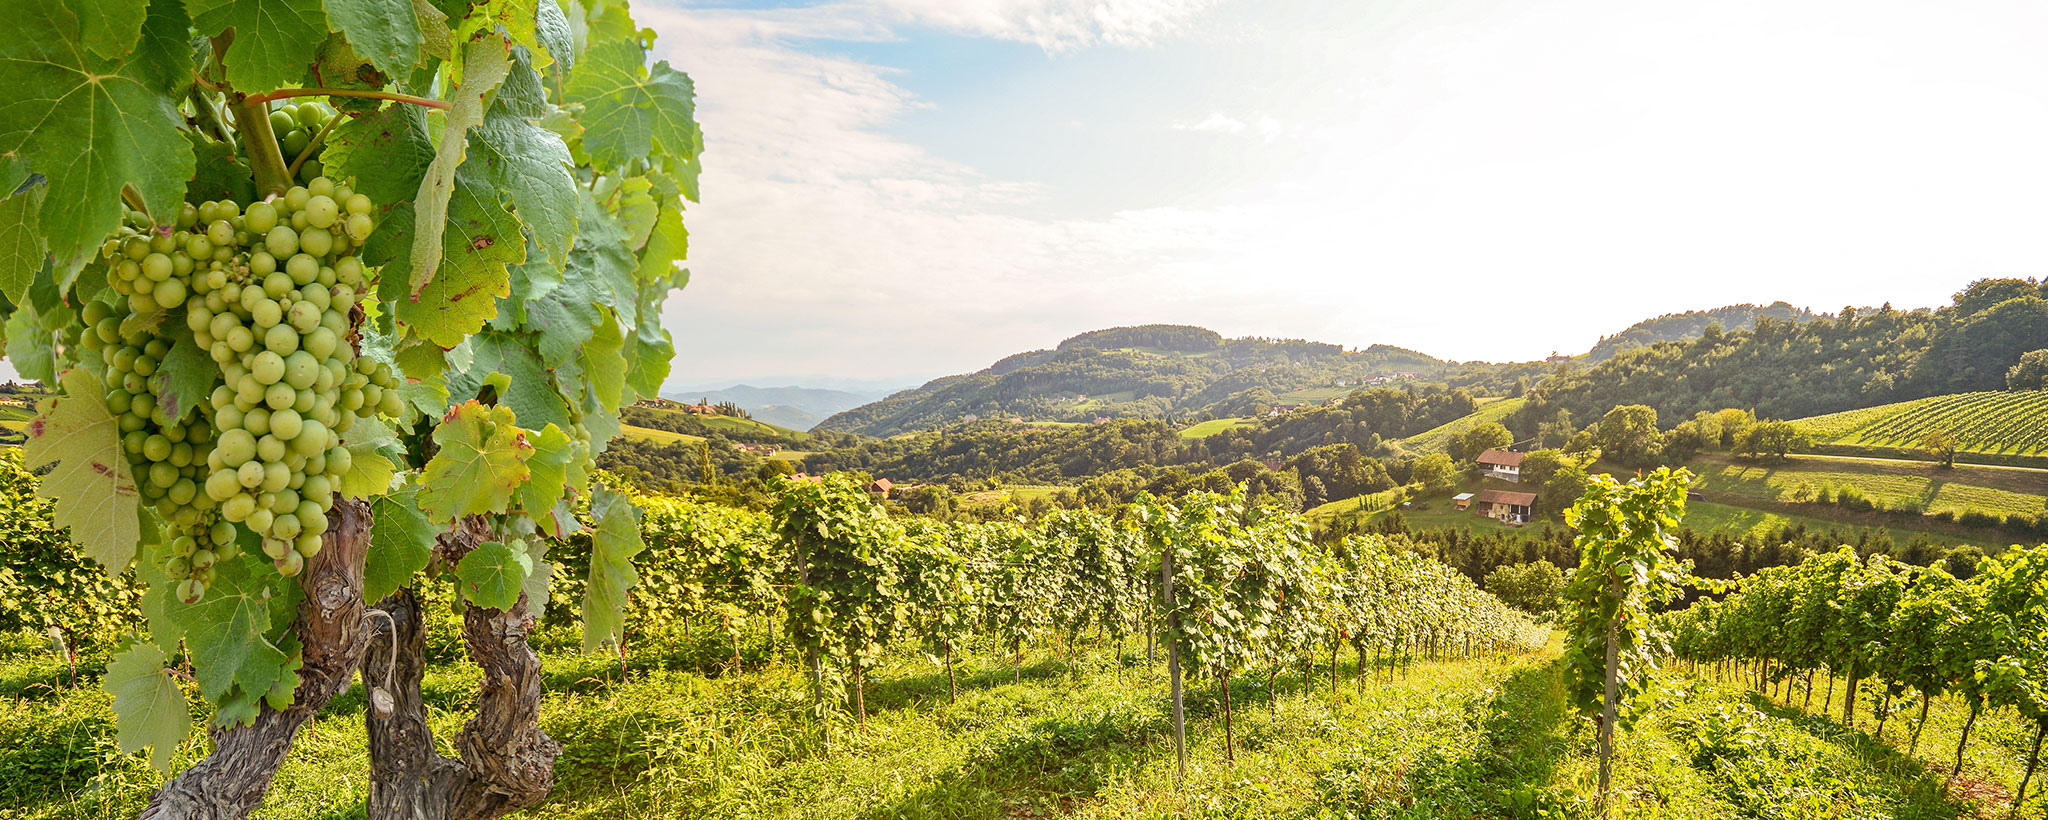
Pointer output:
798, 408
1149, 371
1679, 327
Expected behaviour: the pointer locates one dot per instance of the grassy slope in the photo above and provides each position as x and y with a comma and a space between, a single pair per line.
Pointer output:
1456, 739
658, 436
1212, 427
1437, 439
736, 424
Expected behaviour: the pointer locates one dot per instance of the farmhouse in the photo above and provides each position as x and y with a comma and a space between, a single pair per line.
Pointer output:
881, 487
1502, 464
1506, 505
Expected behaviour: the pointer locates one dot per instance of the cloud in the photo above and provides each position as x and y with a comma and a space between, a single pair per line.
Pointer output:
1053, 25
1265, 127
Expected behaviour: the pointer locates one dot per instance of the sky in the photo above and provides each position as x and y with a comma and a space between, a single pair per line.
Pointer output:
896, 190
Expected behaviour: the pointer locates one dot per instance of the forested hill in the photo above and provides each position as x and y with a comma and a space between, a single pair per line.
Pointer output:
1786, 369
1676, 327
1150, 371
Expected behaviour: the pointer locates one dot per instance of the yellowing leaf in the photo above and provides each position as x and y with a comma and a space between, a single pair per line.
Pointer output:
90, 481
611, 568
481, 462
486, 61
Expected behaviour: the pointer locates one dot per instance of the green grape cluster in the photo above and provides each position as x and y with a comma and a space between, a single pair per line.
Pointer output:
295, 127
267, 291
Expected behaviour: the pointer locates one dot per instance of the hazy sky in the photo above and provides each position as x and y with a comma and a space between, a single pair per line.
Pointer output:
910, 188
902, 189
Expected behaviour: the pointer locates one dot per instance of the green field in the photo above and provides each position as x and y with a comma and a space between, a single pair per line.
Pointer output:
673, 731
1313, 394
1212, 427
1894, 484
2003, 423
658, 436
1437, 440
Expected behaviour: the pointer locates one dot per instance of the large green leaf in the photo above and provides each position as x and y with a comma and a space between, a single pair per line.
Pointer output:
553, 454
612, 549
229, 630
274, 39
486, 62
494, 574
89, 125
371, 446
385, 32
481, 462
401, 544
526, 385
111, 27
90, 482
531, 165
149, 710
481, 240
668, 244
629, 109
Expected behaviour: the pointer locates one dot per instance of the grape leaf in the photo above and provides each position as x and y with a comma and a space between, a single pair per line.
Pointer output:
186, 376
89, 125
149, 710
637, 209
274, 39
111, 27
485, 65
605, 365
482, 239
371, 446
553, 452
517, 16
32, 341
531, 393
648, 358
384, 32
601, 256
481, 462
536, 586
387, 152
531, 165
401, 543
551, 30
228, 630
219, 174
612, 549
22, 253
493, 574
435, 38
95, 495
565, 317
628, 108
667, 244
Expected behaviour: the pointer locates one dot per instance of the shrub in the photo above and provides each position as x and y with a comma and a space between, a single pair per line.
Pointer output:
1979, 518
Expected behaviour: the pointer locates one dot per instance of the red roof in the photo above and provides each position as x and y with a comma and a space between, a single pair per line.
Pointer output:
882, 484
1502, 457
1512, 499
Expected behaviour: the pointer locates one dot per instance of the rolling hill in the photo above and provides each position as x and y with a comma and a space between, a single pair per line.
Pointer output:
797, 408
2011, 424
1151, 371
1692, 324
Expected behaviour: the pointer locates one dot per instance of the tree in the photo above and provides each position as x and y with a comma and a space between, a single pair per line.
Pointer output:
250, 308
1488, 436
2031, 373
1769, 440
1531, 587
1434, 472
1940, 447
1626, 533
1628, 434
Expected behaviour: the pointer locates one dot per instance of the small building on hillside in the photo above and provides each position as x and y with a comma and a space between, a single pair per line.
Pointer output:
1506, 505
1502, 464
1463, 500
881, 487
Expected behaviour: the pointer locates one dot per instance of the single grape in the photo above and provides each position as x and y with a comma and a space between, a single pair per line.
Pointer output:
281, 242
291, 565
267, 367
283, 339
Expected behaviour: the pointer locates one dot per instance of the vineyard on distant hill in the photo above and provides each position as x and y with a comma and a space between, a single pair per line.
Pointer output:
1998, 423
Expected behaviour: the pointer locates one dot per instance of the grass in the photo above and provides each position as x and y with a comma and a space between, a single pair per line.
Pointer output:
1916, 484
1212, 427
1013, 494
1438, 439
658, 436
677, 734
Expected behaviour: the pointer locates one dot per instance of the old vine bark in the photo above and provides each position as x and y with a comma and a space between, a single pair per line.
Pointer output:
506, 762
232, 780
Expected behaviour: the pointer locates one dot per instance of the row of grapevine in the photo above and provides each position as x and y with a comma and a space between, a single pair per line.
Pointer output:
2014, 422
1894, 629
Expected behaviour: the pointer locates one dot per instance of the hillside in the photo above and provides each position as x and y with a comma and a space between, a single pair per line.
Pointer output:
1783, 369
1152, 371
797, 408
1692, 324
1991, 423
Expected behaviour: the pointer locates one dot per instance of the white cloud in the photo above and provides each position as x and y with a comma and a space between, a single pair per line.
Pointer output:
1216, 121
1054, 25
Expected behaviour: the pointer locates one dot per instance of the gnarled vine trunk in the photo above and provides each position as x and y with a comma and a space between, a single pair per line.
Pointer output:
232, 780
506, 762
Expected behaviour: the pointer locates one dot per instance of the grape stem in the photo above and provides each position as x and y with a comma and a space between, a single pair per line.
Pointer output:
347, 92
318, 140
